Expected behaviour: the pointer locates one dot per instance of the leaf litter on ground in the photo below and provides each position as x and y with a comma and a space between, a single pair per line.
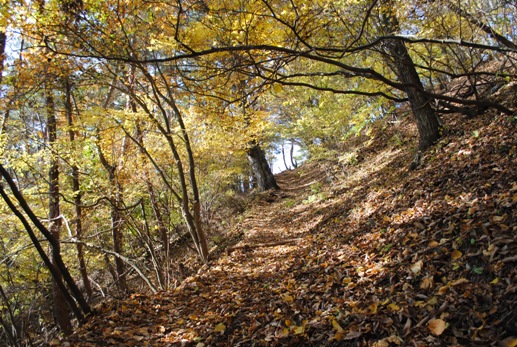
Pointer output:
384, 256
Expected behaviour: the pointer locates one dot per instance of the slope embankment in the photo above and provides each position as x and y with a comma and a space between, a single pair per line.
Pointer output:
356, 251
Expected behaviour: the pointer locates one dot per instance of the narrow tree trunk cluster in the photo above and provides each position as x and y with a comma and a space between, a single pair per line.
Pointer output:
61, 314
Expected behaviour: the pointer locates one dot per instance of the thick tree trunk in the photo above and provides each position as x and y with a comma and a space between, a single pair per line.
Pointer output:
261, 169
427, 122
400, 61
61, 313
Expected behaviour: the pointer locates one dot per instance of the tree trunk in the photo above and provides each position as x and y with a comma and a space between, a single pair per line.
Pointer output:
77, 195
61, 314
116, 228
291, 154
191, 217
481, 25
115, 199
116, 221
3, 39
283, 157
163, 270
401, 63
261, 169
59, 270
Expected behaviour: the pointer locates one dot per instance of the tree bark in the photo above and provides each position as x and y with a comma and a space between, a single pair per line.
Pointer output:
400, 61
191, 214
58, 272
76, 194
163, 266
283, 157
61, 313
57, 268
196, 204
291, 154
115, 199
3, 39
116, 222
261, 169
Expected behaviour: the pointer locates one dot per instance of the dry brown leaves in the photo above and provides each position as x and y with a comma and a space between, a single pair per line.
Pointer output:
386, 258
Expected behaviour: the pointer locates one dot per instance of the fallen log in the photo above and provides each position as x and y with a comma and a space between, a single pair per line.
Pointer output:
247, 247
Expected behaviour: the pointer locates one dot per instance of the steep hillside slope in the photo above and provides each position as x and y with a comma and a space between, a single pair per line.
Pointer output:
356, 252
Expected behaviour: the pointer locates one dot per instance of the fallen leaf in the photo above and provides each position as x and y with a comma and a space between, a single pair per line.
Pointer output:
220, 328
288, 298
459, 281
417, 267
497, 219
436, 326
373, 308
455, 255
299, 330
420, 303
407, 327
381, 343
509, 342
434, 244
393, 307
394, 339
387, 341
352, 335
427, 282
336, 326
443, 289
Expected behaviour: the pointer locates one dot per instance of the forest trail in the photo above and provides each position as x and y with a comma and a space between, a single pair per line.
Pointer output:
376, 256
239, 293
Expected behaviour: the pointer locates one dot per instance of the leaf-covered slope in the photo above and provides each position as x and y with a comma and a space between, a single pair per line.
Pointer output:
377, 255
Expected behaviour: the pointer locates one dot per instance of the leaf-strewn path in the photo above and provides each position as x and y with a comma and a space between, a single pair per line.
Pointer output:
377, 256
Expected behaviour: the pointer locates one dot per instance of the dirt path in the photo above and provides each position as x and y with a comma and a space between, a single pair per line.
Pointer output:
241, 294
382, 257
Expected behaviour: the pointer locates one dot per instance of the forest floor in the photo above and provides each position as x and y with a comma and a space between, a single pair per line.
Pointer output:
356, 251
